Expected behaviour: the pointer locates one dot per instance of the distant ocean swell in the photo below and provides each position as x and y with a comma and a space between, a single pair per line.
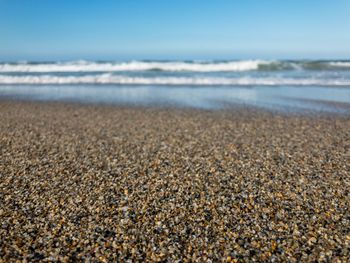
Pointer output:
173, 66
195, 81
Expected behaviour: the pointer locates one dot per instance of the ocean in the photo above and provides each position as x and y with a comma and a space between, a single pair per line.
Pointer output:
295, 85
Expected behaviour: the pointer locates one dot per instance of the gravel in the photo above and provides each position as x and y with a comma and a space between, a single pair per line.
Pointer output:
104, 183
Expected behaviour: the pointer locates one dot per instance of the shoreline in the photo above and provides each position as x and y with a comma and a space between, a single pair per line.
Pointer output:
276, 99
111, 183
340, 109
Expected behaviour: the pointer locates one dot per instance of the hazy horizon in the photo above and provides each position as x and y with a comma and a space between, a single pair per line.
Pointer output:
48, 59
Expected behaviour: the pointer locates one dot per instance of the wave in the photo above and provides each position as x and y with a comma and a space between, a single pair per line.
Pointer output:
173, 66
191, 81
85, 66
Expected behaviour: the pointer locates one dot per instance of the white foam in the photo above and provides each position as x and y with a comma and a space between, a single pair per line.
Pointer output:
85, 66
197, 81
342, 64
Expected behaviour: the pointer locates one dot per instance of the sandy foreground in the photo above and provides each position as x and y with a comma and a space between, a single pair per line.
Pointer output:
147, 184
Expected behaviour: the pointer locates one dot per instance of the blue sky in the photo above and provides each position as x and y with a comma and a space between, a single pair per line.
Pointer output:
178, 29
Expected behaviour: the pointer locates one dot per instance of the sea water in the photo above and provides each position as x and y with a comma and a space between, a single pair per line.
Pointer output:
274, 84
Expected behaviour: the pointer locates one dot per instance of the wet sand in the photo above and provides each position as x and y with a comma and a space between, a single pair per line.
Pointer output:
111, 183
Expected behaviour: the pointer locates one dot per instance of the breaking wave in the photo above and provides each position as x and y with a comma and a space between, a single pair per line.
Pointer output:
84, 66
172, 66
195, 81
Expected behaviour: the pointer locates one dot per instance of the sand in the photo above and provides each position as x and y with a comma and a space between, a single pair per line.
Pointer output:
104, 183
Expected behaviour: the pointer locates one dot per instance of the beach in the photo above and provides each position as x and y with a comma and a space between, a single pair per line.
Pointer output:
110, 183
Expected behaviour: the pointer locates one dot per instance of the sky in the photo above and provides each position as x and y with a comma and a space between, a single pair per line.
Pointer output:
173, 29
